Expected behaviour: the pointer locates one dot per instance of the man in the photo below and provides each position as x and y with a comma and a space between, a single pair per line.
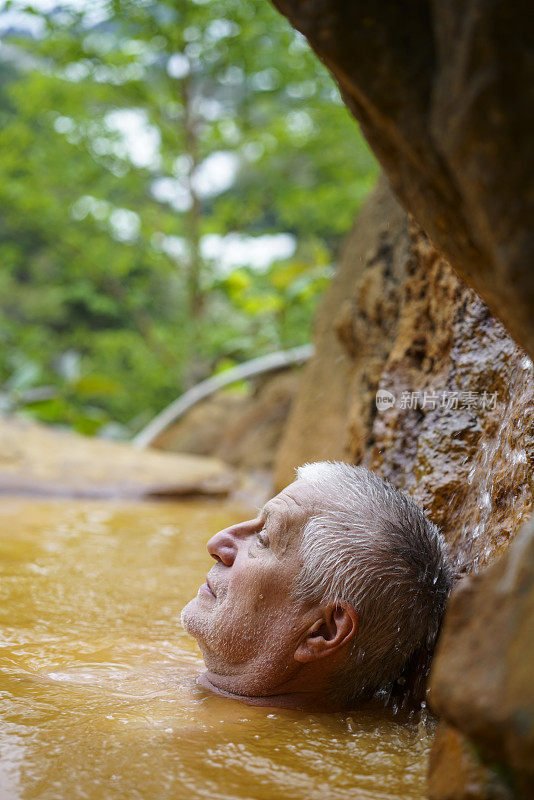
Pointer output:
325, 597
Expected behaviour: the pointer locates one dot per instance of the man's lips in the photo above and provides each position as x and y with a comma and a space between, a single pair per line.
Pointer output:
206, 588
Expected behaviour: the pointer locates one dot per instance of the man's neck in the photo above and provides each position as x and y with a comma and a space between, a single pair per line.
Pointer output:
281, 697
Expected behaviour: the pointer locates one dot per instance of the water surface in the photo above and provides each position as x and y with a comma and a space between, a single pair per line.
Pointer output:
98, 693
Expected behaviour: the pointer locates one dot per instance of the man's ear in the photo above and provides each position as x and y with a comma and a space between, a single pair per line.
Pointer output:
335, 629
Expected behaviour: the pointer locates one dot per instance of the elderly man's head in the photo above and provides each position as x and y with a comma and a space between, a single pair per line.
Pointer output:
325, 596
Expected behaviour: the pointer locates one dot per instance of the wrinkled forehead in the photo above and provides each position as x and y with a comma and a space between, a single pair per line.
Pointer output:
288, 512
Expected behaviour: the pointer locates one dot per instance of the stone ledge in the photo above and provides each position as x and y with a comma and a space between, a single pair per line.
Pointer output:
36, 459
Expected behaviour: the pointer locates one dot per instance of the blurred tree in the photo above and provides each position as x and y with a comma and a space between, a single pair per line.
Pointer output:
156, 157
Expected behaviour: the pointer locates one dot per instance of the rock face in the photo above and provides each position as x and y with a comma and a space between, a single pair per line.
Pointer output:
35, 459
456, 432
443, 92
489, 641
456, 772
242, 430
459, 435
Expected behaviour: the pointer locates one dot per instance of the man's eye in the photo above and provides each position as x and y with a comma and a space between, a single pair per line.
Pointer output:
263, 539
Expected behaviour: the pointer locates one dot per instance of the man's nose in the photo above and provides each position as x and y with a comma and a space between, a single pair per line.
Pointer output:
224, 545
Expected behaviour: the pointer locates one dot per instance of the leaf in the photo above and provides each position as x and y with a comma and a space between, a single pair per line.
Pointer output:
96, 385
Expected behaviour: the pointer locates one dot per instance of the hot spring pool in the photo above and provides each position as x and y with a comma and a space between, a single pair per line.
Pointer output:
98, 694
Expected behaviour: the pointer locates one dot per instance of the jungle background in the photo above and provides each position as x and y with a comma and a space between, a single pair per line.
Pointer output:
175, 183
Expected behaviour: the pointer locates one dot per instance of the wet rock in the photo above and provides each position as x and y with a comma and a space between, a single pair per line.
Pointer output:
481, 680
443, 92
465, 453
243, 430
456, 772
201, 429
459, 436
35, 459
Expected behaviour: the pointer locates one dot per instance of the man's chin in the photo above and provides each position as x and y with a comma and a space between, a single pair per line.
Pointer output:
188, 616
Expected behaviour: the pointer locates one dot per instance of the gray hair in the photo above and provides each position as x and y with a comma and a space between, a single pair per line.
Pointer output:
371, 546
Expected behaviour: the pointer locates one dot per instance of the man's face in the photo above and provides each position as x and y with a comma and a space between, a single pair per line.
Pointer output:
245, 617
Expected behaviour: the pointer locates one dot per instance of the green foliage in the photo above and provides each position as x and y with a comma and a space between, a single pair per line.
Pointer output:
111, 129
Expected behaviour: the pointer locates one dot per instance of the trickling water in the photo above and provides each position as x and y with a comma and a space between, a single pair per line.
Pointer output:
501, 463
98, 697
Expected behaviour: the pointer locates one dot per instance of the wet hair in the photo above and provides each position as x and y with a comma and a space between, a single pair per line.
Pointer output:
371, 546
